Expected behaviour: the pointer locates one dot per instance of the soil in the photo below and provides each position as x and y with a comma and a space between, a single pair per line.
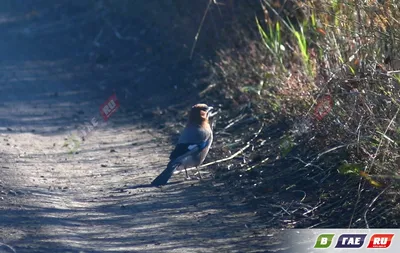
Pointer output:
53, 80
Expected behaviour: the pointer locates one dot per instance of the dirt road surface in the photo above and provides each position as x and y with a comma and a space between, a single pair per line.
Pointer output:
99, 199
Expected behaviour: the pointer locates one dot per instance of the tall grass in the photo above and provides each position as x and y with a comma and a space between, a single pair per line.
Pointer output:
347, 50
273, 41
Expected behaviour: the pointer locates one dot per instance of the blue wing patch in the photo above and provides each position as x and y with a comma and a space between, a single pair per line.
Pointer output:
202, 145
183, 148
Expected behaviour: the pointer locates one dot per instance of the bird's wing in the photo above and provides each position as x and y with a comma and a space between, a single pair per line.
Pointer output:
194, 135
193, 139
183, 149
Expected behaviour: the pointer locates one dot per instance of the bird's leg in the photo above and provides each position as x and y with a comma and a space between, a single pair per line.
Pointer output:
187, 176
198, 171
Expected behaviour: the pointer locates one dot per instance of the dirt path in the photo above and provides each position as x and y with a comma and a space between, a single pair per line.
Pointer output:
98, 200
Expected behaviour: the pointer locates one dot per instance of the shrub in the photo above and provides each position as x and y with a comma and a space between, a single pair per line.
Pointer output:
344, 51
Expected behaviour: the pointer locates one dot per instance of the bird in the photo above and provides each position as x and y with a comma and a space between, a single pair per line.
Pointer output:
193, 144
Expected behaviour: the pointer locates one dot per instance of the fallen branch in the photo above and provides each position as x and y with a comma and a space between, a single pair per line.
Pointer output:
258, 164
333, 149
315, 225
8, 246
393, 72
313, 209
235, 121
305, 194
307, 164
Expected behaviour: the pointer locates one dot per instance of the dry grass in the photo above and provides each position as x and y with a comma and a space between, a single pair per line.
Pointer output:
347, 161
338, 168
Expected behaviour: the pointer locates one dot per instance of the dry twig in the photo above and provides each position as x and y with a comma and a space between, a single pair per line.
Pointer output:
8, 246
372, 202
198, 31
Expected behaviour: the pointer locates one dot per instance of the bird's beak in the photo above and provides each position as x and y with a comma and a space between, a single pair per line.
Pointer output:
209, 109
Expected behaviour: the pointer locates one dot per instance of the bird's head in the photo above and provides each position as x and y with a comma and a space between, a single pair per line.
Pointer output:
199, 114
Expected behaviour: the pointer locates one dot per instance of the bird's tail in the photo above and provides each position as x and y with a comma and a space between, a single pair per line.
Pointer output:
163, 178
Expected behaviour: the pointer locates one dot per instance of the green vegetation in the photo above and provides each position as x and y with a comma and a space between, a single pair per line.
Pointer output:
348, 50
272, 41
279, 60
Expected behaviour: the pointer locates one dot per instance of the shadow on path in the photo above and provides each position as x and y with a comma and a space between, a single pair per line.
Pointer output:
60, 62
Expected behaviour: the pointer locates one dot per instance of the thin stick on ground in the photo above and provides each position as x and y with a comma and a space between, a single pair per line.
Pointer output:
333, 149
372, 202
258, 164
8, 246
